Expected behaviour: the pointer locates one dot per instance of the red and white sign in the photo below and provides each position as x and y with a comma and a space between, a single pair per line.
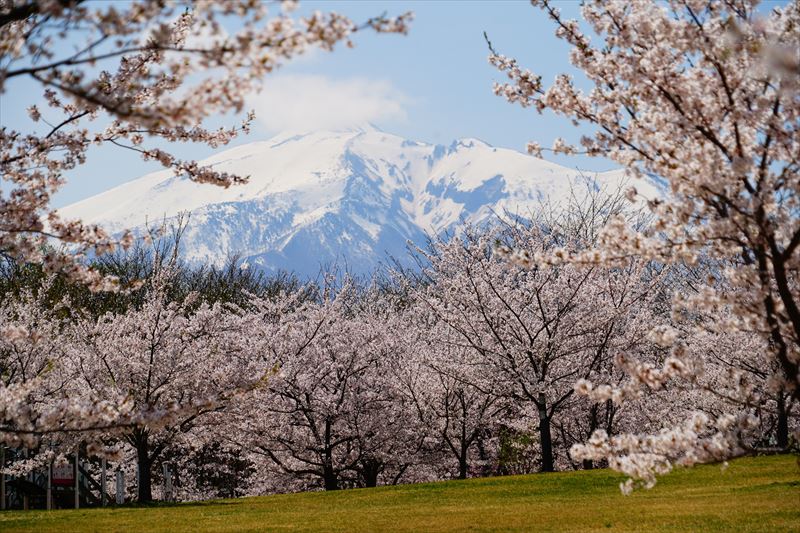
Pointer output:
63, 474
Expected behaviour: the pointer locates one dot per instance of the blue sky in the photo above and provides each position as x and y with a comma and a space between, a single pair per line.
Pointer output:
432, 85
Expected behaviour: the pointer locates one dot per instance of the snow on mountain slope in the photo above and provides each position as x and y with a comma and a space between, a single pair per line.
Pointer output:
354, 197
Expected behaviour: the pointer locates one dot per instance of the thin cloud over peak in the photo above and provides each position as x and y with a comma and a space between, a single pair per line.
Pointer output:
314, 102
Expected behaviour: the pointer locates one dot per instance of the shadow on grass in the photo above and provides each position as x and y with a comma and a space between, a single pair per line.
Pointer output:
171, 505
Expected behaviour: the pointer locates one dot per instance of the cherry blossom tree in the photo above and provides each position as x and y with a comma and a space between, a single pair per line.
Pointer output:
453, 398
702, 95
535, 331
329, 416
177, 359
35, 386
389, 438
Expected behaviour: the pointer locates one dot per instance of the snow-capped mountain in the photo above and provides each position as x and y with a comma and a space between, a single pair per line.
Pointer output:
353, 197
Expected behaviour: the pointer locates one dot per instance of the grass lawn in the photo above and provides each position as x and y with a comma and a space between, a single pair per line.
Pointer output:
760, 494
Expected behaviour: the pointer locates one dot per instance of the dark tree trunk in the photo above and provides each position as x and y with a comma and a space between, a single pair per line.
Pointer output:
370, 469
545, 438
329, 476
371, 479
593, 423
783, 422
463, 457
145, 488
610, 412
463, 463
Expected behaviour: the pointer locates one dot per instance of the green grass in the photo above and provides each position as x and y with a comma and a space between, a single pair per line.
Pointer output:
760, 494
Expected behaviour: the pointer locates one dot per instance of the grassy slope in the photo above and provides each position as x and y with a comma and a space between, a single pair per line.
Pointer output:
761, 494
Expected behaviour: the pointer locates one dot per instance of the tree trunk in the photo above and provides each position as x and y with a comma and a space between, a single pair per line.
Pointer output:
545, 438
145, 488
370, 469
783, 422
329, 476
463, 464
593, 423
371, 479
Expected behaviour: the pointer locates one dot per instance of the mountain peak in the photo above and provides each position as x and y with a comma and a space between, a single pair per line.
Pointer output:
352, 195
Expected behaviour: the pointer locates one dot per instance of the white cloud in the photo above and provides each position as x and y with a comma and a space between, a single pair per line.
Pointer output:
302, 102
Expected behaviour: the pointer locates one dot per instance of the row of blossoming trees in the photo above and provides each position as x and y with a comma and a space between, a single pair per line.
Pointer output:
594, 336
469, 366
